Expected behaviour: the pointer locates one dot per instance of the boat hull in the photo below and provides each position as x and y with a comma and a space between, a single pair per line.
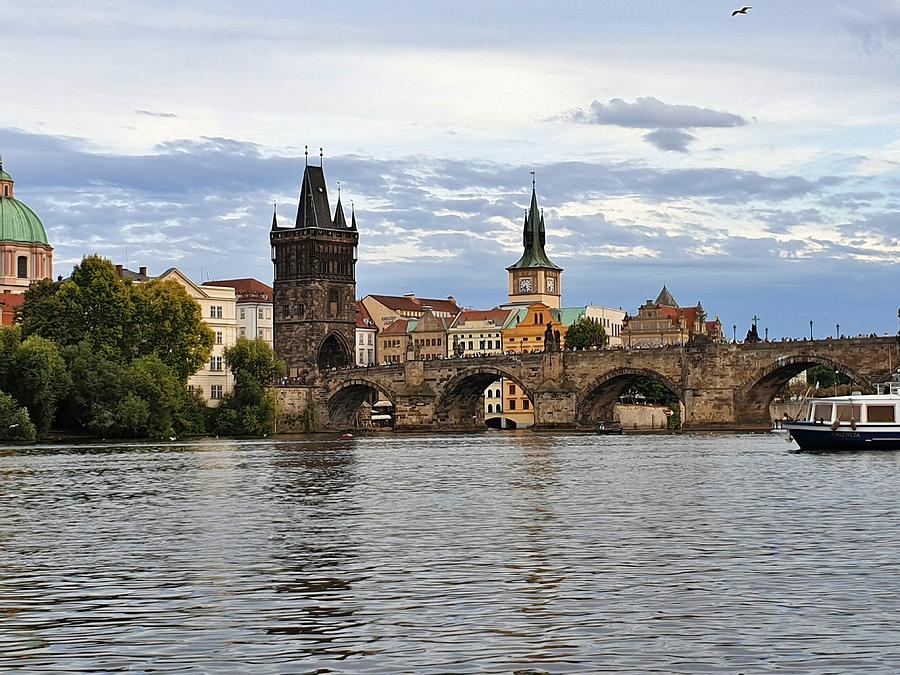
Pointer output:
815, 436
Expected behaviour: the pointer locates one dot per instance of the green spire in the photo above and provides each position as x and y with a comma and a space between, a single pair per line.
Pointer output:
534, 236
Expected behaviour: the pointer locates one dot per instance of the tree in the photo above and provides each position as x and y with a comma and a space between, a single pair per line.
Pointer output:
15, 425
120, 320
825, 377
586, 332
96, 386
250, 410
169, 323
34, 373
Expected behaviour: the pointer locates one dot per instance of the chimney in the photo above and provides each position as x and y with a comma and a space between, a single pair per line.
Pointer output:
142, 271
451, 299
409, 296
119, 271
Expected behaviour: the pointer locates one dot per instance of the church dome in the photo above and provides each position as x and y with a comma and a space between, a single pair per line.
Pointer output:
18, 223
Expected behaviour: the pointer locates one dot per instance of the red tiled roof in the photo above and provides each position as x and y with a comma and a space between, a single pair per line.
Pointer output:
403, 303
398, 327
363, 319
246, 290
497, 315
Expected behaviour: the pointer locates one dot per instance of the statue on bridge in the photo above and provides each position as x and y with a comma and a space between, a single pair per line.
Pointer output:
551, 339
752, 335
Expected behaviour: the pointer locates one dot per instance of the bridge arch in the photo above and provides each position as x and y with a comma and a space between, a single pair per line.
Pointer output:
757, 392
459, 404
596, 401
346, 398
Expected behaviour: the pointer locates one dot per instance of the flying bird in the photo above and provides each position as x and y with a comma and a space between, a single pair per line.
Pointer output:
742, 10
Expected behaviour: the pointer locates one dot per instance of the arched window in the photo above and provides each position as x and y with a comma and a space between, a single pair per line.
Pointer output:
22, 267
6, 190
490, 408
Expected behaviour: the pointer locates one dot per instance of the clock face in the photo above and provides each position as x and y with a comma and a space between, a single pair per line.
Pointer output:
525, 285
551, 284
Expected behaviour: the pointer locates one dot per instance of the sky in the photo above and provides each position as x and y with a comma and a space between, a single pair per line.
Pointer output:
751, 163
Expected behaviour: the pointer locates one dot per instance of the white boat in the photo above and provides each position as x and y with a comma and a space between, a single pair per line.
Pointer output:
855, 422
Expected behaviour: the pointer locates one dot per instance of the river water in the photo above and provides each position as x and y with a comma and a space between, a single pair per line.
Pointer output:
520, 553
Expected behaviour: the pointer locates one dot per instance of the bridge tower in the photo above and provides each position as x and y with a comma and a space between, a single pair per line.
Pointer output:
315, 281
534, 277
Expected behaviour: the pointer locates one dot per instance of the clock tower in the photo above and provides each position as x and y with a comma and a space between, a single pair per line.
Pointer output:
534, 277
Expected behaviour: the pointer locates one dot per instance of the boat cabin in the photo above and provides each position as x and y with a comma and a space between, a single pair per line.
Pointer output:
849, 409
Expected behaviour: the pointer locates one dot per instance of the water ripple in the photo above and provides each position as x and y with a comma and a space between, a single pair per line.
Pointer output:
518, 553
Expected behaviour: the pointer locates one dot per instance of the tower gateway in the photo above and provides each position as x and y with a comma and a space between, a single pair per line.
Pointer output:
315, 282
534, 277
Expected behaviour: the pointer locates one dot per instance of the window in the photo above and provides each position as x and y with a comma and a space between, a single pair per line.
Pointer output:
525, 404
215, 363
243, 332
218, 337
215, 391
260, 333
268, 312
284, 311
259, 314
22, 267
243, 313
334, 302
512, 390
847, 413
880, 413
490, 408
215, 311
512, 404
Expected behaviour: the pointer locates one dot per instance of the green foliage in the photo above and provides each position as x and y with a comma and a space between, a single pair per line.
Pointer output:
655, 392
586, 332
825, 378
34, 373
250, 410
121, 321
168, 322
97, 386
15, 425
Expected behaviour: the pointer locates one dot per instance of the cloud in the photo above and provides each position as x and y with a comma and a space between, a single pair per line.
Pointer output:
670, 139
619, 229
670, 121
876, 29
152, 113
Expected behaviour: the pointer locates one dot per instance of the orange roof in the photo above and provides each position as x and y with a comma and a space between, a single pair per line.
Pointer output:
413, 304
497, 315
363, 318
246, 290
398, 327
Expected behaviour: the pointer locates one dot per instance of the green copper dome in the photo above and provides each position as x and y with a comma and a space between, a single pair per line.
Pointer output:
17, 222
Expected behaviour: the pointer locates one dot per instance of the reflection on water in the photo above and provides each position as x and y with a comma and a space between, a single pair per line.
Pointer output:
488, 553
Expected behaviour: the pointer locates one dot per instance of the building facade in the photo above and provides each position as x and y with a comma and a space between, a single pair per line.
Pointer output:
315, 282
25, 254
475, 332
662, 322
254, 308
385, 309
218, 306
534, 277
366, 337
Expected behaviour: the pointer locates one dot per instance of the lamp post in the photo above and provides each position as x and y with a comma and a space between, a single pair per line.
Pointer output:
767, 333
734, 332
837, 330
810, 329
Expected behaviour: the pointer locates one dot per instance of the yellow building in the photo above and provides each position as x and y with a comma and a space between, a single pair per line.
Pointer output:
523, 332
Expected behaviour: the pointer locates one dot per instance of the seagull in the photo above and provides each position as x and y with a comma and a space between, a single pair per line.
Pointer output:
742, 10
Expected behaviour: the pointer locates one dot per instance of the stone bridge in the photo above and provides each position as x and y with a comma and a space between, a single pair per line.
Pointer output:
721, 386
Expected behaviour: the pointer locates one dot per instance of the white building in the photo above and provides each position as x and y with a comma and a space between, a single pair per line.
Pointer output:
218, 306
611, 319
366, 332
254, 308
